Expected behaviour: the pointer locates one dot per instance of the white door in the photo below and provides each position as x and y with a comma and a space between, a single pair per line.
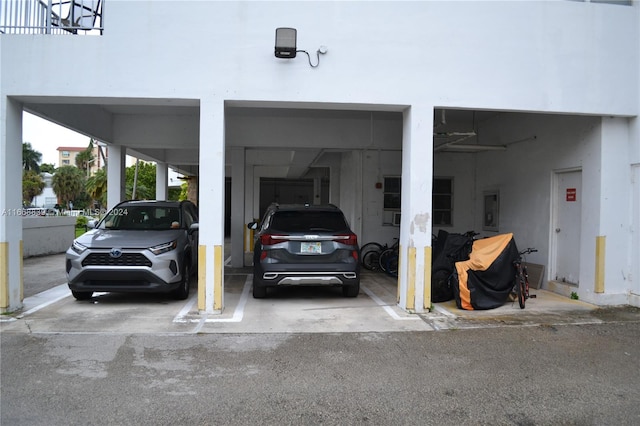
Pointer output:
568, 210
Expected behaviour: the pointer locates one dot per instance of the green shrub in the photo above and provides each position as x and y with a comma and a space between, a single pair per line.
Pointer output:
81, 222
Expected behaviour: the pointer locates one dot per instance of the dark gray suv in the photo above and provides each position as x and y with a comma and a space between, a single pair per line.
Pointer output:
305, 245
139, 246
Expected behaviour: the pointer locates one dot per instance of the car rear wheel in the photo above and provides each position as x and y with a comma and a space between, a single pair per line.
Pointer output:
182, 292
259, 292
351, 290
82, 295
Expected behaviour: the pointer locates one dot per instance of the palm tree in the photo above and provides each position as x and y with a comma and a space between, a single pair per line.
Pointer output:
30, 158
68, 183
85, 158
96, 186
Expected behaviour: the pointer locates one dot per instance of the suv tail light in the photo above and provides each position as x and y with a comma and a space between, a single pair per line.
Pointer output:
270, 239
348, 239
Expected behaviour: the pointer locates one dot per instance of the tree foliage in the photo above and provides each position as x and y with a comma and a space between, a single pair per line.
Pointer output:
32, 185
30, 158
146, 184
68, 183
47, 168
85, 158
96, 186
184, 191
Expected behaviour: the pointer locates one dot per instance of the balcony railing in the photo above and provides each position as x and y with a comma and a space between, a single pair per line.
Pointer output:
51, 16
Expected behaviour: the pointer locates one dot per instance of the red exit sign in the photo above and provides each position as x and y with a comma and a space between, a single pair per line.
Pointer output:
571, 194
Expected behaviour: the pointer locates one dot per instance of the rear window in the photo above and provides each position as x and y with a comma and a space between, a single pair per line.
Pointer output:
302, 221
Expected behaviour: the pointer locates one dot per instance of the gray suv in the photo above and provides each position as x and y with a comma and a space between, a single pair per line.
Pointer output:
139, 246
305, 245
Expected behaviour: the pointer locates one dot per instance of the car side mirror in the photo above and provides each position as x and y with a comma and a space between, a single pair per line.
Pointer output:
92, 224
194, 227
252, 225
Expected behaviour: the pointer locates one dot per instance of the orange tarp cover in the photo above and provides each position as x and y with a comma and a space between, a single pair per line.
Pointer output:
484, 252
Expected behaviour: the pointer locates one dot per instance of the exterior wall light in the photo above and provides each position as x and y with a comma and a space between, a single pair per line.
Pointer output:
286, 42
286, 46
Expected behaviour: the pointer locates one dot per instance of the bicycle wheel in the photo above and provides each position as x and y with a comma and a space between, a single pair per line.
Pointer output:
370, 260
392, 264
370, 246
384, 258
365, 250
521, 290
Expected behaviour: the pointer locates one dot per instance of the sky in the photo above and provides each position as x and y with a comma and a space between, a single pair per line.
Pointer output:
45, 137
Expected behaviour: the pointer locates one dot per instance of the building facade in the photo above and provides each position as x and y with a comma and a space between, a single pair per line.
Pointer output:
503, 117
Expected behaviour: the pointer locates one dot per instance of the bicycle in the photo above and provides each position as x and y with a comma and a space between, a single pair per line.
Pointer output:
388, 259
522, 278
370, 254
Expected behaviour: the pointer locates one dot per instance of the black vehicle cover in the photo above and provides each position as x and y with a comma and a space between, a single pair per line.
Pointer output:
448, 249
486, 279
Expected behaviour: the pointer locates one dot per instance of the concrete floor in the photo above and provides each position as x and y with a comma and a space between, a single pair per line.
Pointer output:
49, 307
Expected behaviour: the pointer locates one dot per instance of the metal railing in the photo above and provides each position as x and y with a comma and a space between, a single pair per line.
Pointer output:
51, 16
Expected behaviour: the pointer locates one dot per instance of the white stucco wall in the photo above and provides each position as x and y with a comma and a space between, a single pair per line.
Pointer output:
545, 56
47, 235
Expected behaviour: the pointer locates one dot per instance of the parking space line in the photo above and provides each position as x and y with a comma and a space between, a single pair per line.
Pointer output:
43, 299
186, 309
386, 307
238, 314
443, 311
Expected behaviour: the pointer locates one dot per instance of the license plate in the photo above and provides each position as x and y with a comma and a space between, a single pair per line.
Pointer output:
306, 247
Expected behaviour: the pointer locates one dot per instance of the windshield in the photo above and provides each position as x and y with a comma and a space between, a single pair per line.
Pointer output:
142, 218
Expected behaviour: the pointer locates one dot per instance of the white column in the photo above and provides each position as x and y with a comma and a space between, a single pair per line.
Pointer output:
237, 207
613, 242
11, 286
211, 206
162, 181
414, 275
116, 175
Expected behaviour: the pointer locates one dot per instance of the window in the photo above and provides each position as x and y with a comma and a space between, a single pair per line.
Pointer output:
65, 153
65, 162
442, 201
392, 187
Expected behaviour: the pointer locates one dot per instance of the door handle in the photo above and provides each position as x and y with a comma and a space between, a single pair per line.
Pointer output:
557, 229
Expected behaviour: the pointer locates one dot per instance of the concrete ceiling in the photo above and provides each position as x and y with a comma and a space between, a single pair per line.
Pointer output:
454, 130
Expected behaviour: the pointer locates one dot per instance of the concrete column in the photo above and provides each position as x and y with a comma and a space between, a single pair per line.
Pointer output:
237, 206
11, 285
162, 181
414, 274
211, 206
116, 175
612, 243
249, 216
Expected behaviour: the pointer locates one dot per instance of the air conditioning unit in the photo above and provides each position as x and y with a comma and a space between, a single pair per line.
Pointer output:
396, 219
